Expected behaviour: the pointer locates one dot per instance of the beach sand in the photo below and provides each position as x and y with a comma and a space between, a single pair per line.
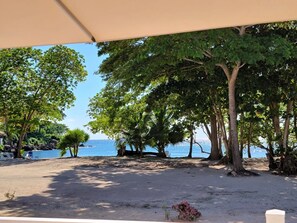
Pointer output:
142, 189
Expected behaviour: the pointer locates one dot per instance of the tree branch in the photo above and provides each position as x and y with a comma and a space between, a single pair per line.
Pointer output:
242, 65
241, 29
201, 148
235, 71
207, 53
225, 69
193, 61
237, 28
207, 130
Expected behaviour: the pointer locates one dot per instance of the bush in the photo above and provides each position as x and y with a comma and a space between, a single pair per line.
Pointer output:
186, 212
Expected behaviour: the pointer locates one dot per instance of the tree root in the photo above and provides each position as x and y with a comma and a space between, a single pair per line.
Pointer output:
242, 173
223, 161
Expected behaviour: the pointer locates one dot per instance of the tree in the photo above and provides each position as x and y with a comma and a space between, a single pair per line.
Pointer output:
120, 116
130, 119
72, 139
40, 85
163, 131
136, 66
15, 64
142, 64
45, 132
136, 132
230, 50
188, 105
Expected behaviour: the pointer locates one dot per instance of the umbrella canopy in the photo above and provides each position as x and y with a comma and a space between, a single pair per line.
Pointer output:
42, 22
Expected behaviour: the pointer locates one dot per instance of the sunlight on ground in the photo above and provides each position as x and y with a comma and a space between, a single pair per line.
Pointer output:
138, 189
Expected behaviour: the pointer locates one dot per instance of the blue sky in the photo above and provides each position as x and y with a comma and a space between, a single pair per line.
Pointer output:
77, 116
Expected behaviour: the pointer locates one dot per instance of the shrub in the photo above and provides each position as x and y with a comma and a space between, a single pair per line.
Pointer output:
9, 196
186, 212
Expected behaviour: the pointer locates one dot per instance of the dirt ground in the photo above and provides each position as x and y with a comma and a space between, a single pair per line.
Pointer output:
142, 189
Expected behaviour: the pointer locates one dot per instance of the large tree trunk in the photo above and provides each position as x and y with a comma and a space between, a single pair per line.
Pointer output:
215, 151
21, 139
229, 154
75, 150
220, 147
20, 144
272, 163
191, 143
274, 109
284, 147
70, 151
161, 151
141, 151
287, 125
237, 162
222, 128
241, 139
24, 129
295, 120
249, 150
234, 145
249, 140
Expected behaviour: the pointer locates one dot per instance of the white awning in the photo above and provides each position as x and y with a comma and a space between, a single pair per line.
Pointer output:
43, 22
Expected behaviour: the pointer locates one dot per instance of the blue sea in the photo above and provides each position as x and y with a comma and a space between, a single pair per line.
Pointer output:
107, 148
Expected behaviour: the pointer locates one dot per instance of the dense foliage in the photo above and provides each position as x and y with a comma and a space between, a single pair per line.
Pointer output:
36, 86
45, 133
239, 83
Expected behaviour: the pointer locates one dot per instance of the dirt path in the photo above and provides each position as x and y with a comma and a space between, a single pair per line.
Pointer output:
141, 189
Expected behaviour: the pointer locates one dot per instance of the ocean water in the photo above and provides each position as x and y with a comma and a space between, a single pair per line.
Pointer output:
107, 148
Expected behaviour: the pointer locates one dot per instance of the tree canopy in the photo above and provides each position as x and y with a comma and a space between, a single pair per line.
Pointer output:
37, 86
229, 80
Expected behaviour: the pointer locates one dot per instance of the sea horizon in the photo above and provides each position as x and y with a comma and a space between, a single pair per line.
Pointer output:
106, 147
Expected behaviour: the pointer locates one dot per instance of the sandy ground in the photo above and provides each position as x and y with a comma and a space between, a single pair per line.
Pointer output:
141, 189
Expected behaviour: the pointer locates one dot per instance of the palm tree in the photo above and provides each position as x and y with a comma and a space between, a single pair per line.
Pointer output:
72, 139
137, 132
163, 132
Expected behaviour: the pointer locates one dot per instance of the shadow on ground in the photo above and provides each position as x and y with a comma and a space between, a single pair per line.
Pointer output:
14, 162
137, 193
